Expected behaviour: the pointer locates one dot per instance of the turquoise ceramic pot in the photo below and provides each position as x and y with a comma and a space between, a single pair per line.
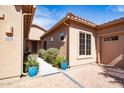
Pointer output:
64, 65
32, 71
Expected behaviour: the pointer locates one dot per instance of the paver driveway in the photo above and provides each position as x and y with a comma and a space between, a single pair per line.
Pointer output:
86, 75
94, 76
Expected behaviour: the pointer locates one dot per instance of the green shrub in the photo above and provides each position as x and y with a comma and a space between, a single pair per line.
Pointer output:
41, 53
30, 61
51, 54
57, 60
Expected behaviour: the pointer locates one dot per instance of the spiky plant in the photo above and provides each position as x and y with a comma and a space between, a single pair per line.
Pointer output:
30, 62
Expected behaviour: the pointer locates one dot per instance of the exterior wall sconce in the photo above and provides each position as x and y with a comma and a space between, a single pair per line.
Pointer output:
9, 35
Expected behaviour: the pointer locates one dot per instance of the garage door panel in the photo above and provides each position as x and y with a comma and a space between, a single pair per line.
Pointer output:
112, 52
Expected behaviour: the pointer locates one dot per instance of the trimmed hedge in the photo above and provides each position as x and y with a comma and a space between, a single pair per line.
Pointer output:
41, 53
51, 54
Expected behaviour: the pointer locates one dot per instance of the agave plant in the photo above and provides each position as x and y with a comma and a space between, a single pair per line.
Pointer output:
30, 62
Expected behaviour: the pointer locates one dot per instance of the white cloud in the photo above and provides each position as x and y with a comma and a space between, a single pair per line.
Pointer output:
44, 17
44, 22
116, 8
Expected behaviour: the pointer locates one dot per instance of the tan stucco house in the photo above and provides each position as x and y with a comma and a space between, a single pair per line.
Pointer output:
15, 21
33, 40
81, 41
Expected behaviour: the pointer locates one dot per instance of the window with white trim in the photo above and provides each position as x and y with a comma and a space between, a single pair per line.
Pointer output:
85, 44
61, 36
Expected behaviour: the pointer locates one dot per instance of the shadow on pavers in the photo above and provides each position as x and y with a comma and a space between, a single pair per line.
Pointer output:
115, 73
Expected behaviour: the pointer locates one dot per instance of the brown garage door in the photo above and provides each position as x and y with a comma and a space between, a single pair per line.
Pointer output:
112, 50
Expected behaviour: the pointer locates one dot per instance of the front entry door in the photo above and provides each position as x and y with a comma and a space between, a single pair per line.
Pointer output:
45, 45
34, 46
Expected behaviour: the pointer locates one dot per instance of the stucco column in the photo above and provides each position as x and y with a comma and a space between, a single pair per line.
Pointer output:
98, 50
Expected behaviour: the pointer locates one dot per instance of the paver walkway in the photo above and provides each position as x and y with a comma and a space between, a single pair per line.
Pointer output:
88, 76
45, 68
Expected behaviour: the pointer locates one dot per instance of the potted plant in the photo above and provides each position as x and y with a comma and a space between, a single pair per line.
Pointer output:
64, 64
32, 66
57, 60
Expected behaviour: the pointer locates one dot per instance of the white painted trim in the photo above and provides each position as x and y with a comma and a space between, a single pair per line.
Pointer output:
84, 56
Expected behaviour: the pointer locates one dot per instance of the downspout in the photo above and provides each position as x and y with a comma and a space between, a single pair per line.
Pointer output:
21, 70
68, 43
22, 42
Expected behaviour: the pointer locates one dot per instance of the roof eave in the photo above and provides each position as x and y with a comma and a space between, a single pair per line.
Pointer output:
110, 23
84, 23
56, 25
62, 21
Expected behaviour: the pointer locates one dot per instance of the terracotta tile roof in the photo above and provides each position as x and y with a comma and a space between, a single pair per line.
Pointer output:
111, 22
71, 16
76, 18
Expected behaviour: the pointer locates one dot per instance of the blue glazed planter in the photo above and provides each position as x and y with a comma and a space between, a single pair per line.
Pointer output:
32, 71
63, 65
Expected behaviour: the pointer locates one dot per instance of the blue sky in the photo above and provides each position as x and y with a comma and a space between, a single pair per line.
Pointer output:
48, 15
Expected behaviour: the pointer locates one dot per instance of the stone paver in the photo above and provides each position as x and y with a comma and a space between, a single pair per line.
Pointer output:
45, 68
52, 81
93, 76
89, 76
